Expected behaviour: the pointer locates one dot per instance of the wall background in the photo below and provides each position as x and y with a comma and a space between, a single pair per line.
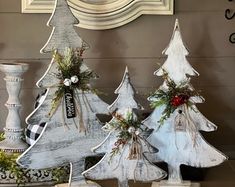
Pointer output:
139, 45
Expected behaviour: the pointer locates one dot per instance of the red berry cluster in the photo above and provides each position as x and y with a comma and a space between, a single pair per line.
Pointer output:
178, 100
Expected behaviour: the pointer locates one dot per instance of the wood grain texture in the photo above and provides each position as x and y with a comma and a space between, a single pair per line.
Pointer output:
184, 143
139, 45
176, 51
64, 140
121, 165
133, 40
61, 141
126, 95
63, 34
122, 168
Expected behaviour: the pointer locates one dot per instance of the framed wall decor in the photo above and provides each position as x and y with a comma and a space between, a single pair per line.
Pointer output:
104, 14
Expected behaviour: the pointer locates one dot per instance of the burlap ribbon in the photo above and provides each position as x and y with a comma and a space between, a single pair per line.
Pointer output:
187, 124
135, 151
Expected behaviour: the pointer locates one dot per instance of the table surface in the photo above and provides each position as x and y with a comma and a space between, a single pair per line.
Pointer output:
219, 176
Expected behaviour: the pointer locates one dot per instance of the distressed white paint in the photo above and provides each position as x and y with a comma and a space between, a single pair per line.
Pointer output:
126, 94
106, 14
61, 141
164, 183
64, 140
176, 64
185, 146
63, 34
13, 129
119, 166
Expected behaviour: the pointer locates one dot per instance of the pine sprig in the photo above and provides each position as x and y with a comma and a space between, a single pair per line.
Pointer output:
123, 125
69, 64
172, 97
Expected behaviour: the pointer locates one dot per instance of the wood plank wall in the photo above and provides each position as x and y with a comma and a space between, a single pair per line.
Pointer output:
138, 45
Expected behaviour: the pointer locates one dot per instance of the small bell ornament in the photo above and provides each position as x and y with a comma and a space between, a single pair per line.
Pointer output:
137, 132
74, 79
131, 130
67, 82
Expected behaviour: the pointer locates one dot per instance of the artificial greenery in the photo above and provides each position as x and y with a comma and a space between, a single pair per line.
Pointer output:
60, 174
2, 136
8, 164
69, 65
123, 125
172, 97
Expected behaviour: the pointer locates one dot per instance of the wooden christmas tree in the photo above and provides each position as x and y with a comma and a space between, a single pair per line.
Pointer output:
126, 95
70, 104
126, 146
62, 21
176, 119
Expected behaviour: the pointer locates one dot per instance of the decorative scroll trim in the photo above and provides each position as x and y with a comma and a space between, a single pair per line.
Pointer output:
104, 16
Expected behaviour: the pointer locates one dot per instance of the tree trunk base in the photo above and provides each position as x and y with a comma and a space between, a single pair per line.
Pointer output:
88, 184
165, 183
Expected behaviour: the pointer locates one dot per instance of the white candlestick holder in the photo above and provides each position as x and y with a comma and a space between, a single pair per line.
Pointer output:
13, 130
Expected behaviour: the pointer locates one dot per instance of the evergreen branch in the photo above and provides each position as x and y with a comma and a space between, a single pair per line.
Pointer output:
123, 125
69, 65
174, 96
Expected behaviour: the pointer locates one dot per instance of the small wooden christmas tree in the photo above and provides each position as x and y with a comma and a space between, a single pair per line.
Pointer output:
70, 104
126, 146
176, 119
126, 95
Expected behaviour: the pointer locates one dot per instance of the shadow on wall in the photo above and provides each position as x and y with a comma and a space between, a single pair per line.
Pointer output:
29, 89
2, 45
111, 65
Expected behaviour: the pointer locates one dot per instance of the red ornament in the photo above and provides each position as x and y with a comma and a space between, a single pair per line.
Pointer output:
184, 98
178, 100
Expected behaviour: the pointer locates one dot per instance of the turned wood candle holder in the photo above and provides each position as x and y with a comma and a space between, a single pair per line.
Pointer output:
13, 130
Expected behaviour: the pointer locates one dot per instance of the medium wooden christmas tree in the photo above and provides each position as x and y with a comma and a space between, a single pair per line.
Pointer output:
176, 119
126, 146
70, 104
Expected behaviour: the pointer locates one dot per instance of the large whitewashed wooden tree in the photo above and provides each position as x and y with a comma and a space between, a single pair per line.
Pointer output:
176, 119
125, 146
70, 104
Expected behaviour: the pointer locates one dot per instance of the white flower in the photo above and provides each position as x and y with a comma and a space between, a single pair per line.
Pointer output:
74, 79
67, 82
